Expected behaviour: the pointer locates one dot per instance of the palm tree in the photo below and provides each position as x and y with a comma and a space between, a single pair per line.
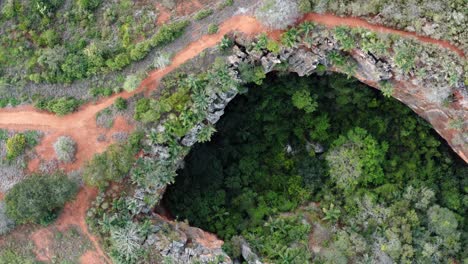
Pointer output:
205, 133
193, 83
200, 100
306, 27
290, 38
225, 43
343, 35
262, 42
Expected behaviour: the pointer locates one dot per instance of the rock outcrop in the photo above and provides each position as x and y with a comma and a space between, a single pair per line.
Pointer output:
426, 95
180, 243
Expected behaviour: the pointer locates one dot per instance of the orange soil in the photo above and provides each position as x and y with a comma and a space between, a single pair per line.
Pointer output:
188, 7
164, 14
81, 125
73, 214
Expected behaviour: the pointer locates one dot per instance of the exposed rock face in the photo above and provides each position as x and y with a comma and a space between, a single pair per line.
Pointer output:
248, 254
303, 62
182, 243
424, 95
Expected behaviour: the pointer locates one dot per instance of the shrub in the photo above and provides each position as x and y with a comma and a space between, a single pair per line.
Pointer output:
120, 104
212, 29
203, 14
278, 14
168, 33
6, 224
39, 198
63, 106
88, 4
15, 146
131, 83
226, 3
65, 148
60, 106
387, 88
162, 60
127, 243
48, 38
9, 256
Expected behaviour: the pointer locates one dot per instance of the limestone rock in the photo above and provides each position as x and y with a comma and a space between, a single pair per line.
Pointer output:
248, 254
269, 61
303, 62
191, 138
213, 118
373, 69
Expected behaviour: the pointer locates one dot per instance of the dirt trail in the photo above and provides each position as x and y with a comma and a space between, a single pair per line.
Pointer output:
81, 125
73, 214
330, 20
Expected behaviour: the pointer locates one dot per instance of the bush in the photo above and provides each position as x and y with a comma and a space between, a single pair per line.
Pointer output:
278, 14
131, 83
65, 148
112, 165
203, 14
212, 29
15, 146
162, 60
39, 198
6, 224
11, 257
168, 33
60, 106
120, 104
88, 4
127, 243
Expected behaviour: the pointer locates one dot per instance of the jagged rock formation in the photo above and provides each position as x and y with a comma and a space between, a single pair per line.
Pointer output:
427, 96
181, 243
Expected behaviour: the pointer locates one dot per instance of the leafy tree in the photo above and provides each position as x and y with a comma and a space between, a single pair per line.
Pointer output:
356, 159
304, 101
38, 198
442, 221
112, 165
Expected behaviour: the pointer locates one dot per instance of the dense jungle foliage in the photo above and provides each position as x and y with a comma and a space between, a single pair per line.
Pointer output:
388, 186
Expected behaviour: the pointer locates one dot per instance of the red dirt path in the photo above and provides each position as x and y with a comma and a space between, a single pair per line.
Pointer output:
81, 125
330, 20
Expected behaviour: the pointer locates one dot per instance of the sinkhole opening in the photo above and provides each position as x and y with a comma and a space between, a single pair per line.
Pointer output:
325, 141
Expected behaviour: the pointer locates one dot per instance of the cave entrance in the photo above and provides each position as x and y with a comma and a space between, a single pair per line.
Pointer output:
269, 155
